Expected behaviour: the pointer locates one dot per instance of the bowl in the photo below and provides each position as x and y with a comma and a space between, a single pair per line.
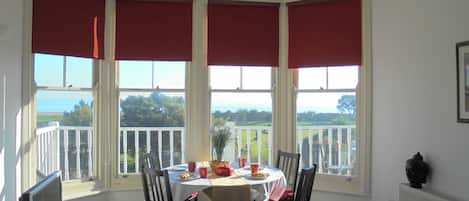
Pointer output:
215, 164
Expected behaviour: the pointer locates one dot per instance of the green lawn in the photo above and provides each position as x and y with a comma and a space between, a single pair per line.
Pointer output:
44, 119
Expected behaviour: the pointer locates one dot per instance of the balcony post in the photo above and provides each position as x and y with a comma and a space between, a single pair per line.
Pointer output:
329, 155
137, 150
78, 152
66, 173
322, 152
90, 153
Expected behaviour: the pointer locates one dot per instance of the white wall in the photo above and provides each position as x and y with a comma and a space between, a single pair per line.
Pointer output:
10, 97
415, 94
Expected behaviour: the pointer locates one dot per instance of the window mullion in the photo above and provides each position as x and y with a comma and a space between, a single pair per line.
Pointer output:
240, 78
153, 75
64, 76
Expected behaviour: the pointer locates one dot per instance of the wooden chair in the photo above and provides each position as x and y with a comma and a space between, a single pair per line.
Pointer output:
151, 160
305, 185
289, 163
156, 185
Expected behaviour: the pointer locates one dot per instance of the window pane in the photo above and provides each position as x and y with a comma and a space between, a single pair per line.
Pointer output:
225, 77
312, 78
79, 72
256, 77
169, 75
64, 137
157, 118
135, 74
249, 118
326, 133
48, 70
343, 77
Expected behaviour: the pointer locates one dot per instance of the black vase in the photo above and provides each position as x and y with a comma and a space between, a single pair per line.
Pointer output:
417, 171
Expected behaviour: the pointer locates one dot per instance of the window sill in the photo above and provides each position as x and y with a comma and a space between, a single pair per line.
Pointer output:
76, 189
348, 185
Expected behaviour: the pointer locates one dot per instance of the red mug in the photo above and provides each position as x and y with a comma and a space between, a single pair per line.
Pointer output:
254, 168
191, 166
242, 162
203, 172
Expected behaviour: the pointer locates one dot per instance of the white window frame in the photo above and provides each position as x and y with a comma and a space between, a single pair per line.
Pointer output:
324, 90
76, 187
341, 183
132, 180
240, 89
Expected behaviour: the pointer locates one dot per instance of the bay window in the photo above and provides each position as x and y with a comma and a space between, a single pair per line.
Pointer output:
95, 117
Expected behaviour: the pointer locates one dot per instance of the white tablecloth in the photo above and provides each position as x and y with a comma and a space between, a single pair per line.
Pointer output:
183, 189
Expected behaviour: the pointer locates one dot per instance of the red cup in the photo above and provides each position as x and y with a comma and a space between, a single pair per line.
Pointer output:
254, 168
242, 162
203, 172
191, 166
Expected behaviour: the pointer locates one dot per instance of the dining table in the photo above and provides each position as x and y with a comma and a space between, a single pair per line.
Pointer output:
269, 187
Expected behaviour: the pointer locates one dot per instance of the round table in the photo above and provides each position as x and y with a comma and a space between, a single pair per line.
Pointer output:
182, 189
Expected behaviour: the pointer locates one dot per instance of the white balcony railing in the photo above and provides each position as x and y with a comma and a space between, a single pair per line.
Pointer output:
70, 149
167, 142
332, 148
67, 148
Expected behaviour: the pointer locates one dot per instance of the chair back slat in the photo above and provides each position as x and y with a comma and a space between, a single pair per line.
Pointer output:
151, 160
289, 164
156, 186
305, 184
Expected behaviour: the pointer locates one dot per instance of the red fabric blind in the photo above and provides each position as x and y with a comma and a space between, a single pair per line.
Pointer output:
243, 35
325, 34
72, 28
148, 30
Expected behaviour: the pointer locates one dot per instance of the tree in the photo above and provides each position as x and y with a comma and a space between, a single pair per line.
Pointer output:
156, 110
80, 116
346, 105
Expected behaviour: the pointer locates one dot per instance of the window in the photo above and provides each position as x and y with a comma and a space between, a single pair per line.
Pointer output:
64, 116
326, 119
241, 100
151, 113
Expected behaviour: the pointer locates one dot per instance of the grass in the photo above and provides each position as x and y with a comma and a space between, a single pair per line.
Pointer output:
253, 151
45, 119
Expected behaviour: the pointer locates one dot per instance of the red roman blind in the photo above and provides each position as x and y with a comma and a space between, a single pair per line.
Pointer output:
325, 34
243, 35
72, 28
153, 30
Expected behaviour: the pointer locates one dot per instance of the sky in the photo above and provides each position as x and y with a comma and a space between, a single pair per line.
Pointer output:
49, 71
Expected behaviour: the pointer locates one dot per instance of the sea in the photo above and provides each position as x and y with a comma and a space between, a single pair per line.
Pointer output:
67, 105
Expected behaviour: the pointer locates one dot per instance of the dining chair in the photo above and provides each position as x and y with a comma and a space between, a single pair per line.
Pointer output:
156, 185
289, 163
305, 184
151, 160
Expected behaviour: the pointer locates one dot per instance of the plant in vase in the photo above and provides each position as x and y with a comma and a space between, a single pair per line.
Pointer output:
220, 137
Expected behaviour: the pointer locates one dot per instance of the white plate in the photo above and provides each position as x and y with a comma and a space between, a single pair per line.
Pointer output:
177, 168
192, 177
249, 176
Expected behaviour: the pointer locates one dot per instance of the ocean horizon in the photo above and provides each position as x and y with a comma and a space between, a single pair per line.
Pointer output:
67, 105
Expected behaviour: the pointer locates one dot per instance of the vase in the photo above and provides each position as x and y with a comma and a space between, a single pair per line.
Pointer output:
417, 171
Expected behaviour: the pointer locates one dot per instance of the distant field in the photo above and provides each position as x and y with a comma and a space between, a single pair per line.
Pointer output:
44, 119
